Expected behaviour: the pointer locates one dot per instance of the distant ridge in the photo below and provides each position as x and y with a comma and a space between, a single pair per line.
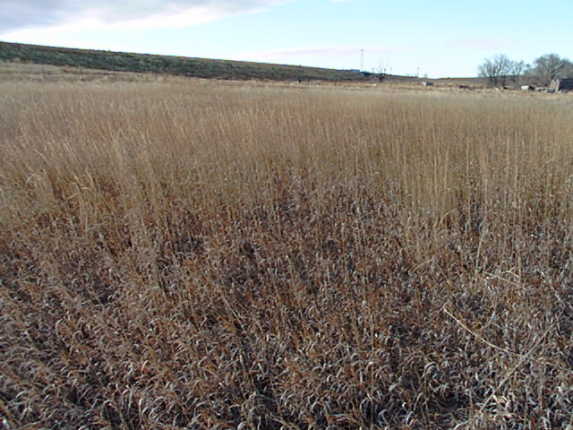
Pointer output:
174, 65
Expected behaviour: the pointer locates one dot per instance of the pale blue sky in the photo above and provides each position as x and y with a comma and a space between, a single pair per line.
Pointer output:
437, 38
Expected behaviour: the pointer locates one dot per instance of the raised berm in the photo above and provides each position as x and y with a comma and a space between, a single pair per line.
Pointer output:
173, 65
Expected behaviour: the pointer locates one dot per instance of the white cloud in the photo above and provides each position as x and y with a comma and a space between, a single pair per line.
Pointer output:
484, 44
376, 57
20, 17
319, 51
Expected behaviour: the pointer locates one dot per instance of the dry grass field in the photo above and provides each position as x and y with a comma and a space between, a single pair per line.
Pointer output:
201, 255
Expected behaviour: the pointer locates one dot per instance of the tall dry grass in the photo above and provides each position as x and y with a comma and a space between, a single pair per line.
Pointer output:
205, 256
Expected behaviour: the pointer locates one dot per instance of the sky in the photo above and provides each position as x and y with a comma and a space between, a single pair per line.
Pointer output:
440, 38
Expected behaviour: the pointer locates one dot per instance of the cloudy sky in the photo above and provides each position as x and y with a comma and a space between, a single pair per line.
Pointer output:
436, 38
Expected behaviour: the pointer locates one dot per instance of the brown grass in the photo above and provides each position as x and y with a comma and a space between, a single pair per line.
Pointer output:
197, 255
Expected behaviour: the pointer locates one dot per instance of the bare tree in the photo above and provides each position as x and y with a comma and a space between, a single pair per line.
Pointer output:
499, 69
517, 70
549, 67
568, 70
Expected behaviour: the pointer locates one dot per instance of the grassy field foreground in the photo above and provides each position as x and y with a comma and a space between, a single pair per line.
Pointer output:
193, 255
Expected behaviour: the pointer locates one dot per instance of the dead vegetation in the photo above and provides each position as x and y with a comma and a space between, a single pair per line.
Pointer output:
204, 256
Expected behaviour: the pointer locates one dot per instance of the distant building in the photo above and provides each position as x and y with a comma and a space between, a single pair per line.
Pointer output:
527, 88
427, 84
562, 85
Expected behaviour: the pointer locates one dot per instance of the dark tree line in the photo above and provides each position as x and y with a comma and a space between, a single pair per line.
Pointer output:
500, 70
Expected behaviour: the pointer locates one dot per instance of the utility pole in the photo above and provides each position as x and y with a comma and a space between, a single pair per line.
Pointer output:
362, 59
